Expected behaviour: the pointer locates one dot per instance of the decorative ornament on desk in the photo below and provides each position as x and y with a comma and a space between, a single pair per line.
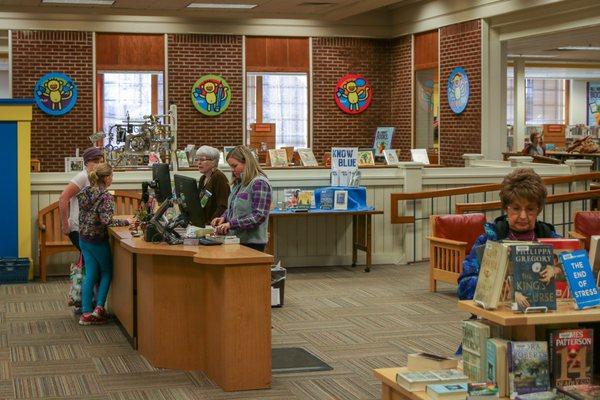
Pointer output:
353, 94
458, 90
211, 95
55, 93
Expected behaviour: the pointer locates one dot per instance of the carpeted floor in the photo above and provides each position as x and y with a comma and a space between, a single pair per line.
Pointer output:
352, 320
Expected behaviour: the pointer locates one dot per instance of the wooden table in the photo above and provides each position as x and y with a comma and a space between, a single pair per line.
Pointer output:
524, 324
361, 229
564, 155
200, 308
390, 390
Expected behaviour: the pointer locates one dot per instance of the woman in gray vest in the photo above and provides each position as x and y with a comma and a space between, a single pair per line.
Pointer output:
249, 203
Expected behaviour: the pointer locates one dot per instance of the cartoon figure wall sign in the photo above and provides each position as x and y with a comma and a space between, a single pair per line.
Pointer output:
458, 90
353, 94
211, 95
55, 93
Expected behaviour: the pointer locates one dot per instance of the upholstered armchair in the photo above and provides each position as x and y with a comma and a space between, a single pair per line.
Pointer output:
586, 224
452, 237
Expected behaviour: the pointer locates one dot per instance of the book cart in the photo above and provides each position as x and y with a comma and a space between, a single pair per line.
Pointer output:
519, 327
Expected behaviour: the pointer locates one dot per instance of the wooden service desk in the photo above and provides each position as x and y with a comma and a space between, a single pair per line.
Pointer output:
524, 324
196, 308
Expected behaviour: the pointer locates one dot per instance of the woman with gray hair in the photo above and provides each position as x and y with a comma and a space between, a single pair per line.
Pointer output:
213, 185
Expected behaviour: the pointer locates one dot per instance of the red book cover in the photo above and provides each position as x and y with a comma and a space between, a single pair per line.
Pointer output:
559, 245
571, 356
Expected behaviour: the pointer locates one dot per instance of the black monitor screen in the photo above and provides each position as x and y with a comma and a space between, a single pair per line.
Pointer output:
160, 174
186, 190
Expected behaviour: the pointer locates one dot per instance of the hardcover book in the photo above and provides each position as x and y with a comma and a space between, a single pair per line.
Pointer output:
453, 391
418, 380
278, 157
580, 278
365, 157
307, 158
595, 256
291, 197
306, 199
560, 245
474, 339
529, 262
571, 356
497, 366
326, 201
581, 392
391, 157
528, 367
492, 275
383, 139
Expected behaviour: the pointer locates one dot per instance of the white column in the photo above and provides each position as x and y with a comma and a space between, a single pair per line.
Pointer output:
470, 157
579, 166
412, 237
519, 103
520, 161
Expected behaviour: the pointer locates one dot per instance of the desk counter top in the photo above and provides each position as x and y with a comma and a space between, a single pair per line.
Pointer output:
229, 254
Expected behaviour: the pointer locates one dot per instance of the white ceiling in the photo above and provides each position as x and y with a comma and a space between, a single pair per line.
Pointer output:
327, 10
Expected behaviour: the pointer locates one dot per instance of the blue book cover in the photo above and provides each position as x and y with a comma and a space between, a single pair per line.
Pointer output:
326, 201
383, 139
529, 262
491, 365
448, 388
581, 280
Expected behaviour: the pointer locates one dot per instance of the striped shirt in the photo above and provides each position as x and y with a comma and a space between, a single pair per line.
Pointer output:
261, 205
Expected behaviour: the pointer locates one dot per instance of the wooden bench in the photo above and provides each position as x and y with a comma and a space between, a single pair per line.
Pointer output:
50, 237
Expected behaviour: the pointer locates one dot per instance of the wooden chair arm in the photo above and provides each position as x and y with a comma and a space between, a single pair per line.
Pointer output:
576, 235
446, 242
41, 226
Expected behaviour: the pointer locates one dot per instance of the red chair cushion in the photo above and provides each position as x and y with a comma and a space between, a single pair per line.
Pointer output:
587, 223
461, 227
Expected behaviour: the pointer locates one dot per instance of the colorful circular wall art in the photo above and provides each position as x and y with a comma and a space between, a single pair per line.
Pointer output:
55, 93
211, 95
353, 94
458, 90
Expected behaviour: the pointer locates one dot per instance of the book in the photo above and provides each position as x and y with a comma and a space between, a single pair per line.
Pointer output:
306, 199
419, 155
528, 367
291, 197
278, 157
428, 361
594, 256
383, 139
340, 200
418, 380
365, 157
581, 281
529, 261
482, 391
560, 245
545, 395
391, 157
307, 158
581, 392
474, 357
326, 201
182, 160
571, 357
492, 274
452, 391
497, 366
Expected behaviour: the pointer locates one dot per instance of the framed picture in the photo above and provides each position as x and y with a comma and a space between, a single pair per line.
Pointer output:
73, 164
340, 200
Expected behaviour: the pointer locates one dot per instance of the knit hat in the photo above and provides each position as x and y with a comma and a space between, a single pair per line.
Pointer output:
91, 153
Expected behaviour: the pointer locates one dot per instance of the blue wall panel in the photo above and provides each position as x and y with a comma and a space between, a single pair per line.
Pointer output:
9, 234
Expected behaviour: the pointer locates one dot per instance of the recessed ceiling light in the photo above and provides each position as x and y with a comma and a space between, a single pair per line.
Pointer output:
532, 55
222, 6
584, 48
81, 2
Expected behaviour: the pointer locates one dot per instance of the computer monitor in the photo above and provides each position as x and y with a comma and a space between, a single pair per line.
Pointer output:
160, 175
186, 190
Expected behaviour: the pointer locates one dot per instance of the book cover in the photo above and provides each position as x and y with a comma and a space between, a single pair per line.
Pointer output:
581, 281
391, 157
452, 391
497, 366
278, 157
291, 197
482, 389
529, 262
560, 245
474, 339
415, 381
182, 160
571, 356
383, 139
581, 392
306, 199
491, 275
365, 157
326, 201
528, 367
340, 200
307, 158
545, 395
427, 361
595, 255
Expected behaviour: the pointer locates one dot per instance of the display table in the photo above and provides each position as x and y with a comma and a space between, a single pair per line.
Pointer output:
200, 308
524, 324
361, 229
390, 390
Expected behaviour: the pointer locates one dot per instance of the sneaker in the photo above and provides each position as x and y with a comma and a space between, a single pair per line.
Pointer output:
90, 319
100, 312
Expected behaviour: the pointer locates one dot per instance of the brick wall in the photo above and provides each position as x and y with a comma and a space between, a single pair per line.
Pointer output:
332, 59
401, 94
190, 57
36, 53
460, 46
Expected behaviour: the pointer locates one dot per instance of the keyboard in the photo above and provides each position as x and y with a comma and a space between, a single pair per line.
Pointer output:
207, 242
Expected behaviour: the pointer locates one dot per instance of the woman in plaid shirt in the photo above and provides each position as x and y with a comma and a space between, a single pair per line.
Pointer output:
249, 203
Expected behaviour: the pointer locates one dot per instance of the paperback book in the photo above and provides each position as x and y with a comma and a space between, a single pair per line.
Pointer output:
528, 367
581, 392
474, 346
306, 199
453, 391
418, 380
482, 391
291, 197
427, 361
571, 356
497, 366
529, 263
580, 278
326, 200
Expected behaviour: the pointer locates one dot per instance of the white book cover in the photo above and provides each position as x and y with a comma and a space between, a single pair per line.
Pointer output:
391, 157
419, 155
308, 158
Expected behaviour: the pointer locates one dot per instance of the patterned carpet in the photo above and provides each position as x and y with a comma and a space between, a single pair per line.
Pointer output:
352, 320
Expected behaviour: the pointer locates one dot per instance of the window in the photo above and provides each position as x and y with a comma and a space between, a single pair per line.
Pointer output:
544, 101
133, 93
281, 99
